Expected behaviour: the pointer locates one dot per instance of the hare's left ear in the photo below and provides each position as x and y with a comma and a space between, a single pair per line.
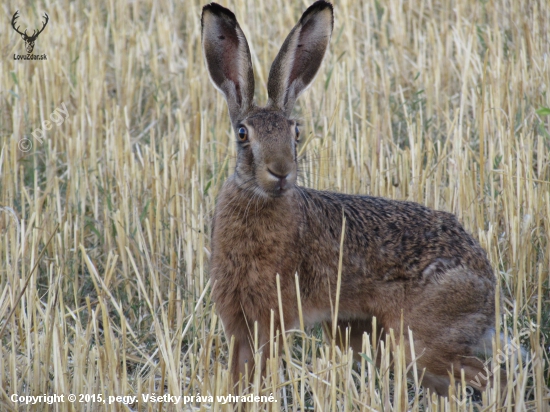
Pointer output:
300, 56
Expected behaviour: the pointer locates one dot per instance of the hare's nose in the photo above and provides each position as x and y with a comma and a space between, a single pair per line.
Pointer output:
282, 178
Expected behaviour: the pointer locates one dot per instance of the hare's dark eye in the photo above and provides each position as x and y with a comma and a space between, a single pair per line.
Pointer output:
243, 133
297, 130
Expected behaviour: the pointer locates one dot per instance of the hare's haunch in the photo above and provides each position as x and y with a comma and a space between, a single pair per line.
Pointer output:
399, 258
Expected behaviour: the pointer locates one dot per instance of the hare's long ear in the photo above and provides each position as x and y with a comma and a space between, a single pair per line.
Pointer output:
300, 56
228, 58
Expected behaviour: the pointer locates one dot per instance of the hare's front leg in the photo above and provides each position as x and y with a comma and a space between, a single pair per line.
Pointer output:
243, 359
243, 354
239, 326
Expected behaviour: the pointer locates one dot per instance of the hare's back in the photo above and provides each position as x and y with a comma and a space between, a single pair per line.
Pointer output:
392, 236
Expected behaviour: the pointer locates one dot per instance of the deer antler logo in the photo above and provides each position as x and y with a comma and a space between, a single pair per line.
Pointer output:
29, 40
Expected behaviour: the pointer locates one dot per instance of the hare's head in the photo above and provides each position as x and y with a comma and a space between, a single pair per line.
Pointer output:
266, 136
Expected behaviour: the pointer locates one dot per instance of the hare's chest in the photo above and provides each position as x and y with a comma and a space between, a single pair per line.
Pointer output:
255, 247
246, 261
252, 243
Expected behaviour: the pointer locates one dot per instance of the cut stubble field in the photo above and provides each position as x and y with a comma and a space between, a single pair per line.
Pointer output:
105, 219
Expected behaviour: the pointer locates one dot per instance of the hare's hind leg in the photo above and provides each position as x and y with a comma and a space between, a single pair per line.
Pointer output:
479, 375
452, 316
438, 364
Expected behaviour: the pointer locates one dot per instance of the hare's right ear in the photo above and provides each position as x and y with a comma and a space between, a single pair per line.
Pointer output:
300, 56
228, 58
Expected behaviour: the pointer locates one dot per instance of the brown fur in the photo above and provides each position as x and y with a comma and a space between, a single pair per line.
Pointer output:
398, 257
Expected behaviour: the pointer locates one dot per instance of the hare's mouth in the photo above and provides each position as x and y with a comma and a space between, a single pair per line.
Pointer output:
277, 184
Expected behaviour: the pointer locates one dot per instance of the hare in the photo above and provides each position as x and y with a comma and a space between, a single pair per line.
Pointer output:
400, 259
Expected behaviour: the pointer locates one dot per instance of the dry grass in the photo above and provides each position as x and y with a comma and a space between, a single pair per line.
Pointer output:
416, 100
